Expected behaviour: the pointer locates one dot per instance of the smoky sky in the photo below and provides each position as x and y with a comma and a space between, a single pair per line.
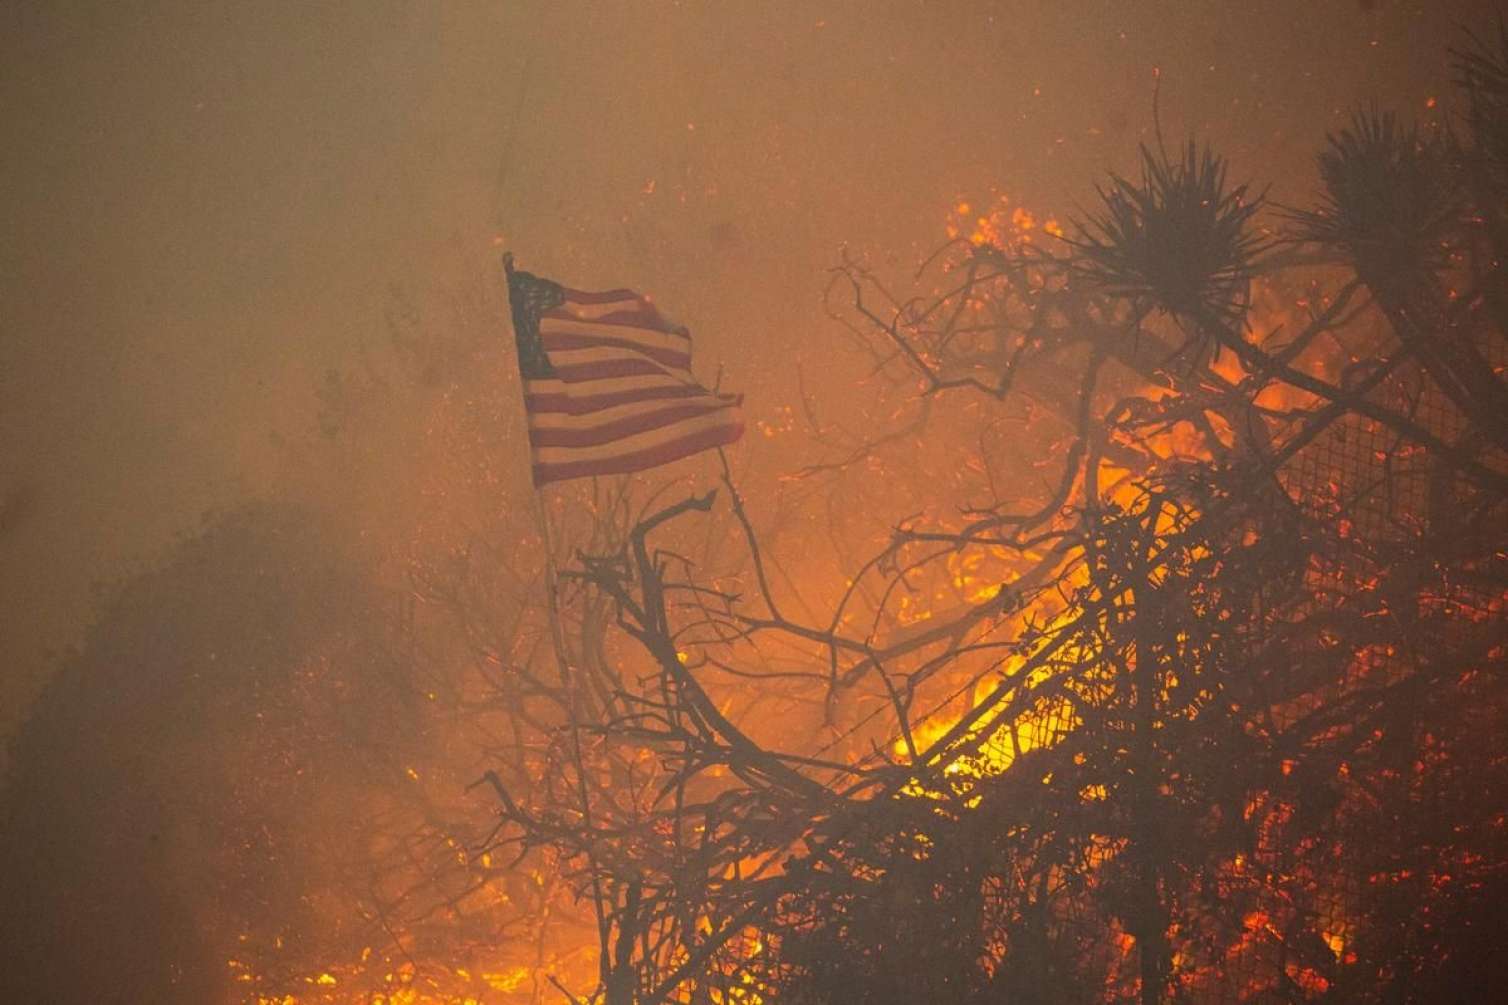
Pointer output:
206, 207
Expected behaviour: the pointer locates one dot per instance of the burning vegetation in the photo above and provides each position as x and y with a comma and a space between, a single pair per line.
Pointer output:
1141, 640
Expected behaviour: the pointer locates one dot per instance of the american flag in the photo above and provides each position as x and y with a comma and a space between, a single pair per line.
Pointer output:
607, 381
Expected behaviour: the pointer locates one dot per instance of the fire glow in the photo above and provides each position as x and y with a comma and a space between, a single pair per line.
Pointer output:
999, 740
1113, 614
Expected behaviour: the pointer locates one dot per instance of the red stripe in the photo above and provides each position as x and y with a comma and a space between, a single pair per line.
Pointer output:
591, 436
604, 297
650, 319
622, 464
586, 404
576, 340
607, 369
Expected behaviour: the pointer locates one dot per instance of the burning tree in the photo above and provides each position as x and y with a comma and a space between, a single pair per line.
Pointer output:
1172, 673
1215, 714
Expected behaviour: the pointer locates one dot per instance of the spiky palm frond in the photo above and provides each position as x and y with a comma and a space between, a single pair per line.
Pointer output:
1390, 203
1481, 71
1179, 240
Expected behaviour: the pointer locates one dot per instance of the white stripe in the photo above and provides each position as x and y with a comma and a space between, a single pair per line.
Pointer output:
588, 311
607, 385
608, 354
723, 418
670, 341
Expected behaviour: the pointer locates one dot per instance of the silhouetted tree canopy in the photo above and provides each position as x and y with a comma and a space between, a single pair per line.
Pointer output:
176, 784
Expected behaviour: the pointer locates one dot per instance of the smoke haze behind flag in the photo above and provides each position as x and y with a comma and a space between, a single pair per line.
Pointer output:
608, 387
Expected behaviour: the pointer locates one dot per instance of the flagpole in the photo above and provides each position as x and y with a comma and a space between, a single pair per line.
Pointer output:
542, 522
620, 398
571, 696
571, 699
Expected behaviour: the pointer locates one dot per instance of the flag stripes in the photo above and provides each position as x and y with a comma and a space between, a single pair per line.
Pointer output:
608, 387
578, 435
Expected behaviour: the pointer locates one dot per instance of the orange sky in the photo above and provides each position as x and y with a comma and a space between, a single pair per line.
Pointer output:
204, 206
